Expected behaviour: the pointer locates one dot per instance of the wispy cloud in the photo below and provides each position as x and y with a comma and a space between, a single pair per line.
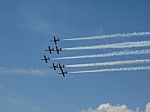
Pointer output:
9, 100
32, 72
106, 107
12, 104
35, 23
118, 35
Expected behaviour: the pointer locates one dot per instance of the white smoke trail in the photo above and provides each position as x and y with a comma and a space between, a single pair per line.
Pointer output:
116, 45
118, 53
118, 35
113, 70
109, 63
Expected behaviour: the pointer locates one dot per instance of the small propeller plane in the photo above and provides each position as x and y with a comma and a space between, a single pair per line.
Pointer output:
63, 73
61, 69
56, 66
55, 40
57, 50
49, 49
45, 59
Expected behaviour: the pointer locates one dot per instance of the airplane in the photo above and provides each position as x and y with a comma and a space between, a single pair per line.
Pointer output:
54, 66
57, 66
55, 40
49, 49
62, 71
45, 58
57, 50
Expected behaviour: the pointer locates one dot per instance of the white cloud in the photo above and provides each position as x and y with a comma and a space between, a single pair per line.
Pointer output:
148, 107
106, 107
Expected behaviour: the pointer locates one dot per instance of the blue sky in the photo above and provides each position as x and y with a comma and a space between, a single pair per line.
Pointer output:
26, 28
